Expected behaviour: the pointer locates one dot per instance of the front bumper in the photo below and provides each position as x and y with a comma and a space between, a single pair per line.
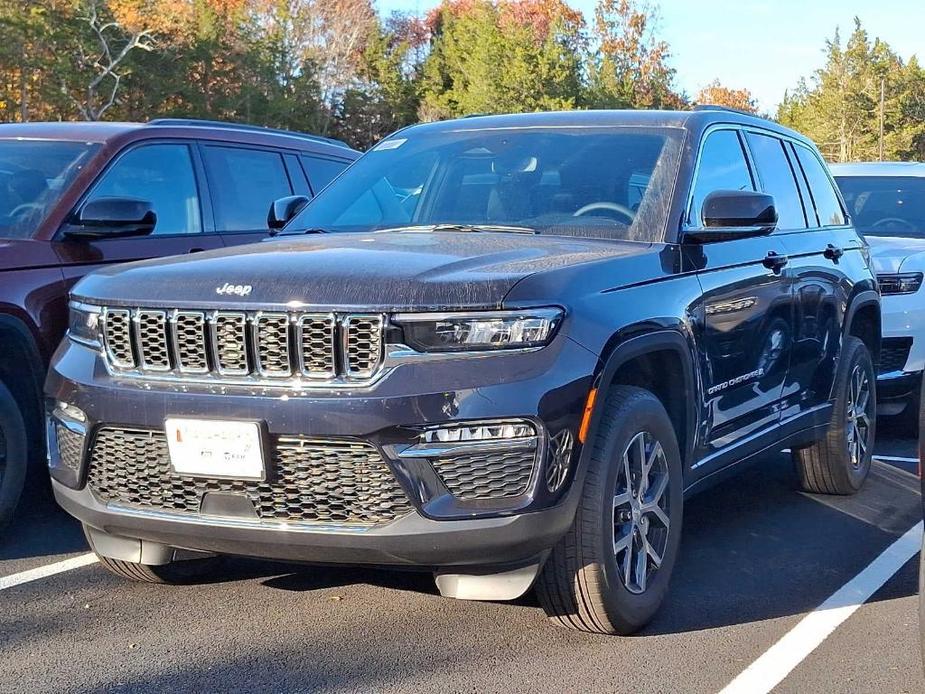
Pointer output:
547, 387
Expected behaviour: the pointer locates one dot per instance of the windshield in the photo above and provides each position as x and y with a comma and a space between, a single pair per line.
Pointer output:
885, 205
612, 182
33, 175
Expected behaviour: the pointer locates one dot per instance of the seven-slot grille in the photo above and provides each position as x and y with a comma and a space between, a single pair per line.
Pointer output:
308, 480
239, 344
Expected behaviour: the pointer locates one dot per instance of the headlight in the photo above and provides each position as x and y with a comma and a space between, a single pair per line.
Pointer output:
900, 283
466, 332
84, 324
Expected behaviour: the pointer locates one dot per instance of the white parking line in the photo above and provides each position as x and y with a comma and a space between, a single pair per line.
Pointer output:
46, 571
777, 662
896, 459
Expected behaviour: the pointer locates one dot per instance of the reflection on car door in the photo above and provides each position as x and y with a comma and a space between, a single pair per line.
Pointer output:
746, 313
164, 174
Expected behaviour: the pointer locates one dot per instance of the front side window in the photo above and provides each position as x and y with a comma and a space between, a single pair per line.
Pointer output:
825, 200
33, 176
885, 205
777, 179
611, 182
244, 183
722, 167
162, 175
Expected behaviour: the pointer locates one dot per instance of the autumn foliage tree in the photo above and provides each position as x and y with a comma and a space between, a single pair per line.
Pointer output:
716, 94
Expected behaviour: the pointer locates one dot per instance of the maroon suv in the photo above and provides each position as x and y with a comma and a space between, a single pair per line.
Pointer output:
77, 196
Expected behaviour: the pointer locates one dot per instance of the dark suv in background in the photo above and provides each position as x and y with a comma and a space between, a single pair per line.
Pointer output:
77, 196
502, 349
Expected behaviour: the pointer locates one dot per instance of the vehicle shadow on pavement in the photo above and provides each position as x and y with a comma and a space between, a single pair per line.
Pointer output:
755, 548
40, 528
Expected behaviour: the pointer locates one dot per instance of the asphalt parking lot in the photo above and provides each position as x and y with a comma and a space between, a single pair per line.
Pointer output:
757, 557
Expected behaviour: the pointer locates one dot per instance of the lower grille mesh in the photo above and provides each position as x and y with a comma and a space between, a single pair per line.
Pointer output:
308, 481
487, 475
894, 353
70, 446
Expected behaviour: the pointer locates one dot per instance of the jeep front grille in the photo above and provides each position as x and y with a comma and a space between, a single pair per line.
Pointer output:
494, 475
308, 480
242, 345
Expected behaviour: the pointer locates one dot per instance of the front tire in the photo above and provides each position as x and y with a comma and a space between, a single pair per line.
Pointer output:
182, 572
13, 455
840, 462
610, 572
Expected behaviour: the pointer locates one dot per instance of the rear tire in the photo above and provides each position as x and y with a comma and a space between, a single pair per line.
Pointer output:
181, 572
14, 458
610, 572
840, 462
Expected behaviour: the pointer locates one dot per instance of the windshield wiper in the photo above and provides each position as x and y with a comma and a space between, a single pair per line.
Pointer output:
464, 228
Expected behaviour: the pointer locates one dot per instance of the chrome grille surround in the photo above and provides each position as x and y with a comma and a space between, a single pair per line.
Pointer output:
229, 342
151, 338
189, 341
271, 344
309, 481
315, 335
292, 348
362, 350
117, 337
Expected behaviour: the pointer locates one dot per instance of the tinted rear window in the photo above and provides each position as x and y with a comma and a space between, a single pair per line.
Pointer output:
777, 179
821, 190
885, 205
244, 183
321, 171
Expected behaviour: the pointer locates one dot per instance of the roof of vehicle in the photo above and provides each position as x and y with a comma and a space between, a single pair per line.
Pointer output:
101, 132
879, 168
695, 120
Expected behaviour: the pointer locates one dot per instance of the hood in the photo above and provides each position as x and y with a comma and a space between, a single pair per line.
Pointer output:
376, 271
23, 254
890, 254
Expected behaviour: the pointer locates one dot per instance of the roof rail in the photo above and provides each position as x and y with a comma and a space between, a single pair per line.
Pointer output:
247, 127
718, 107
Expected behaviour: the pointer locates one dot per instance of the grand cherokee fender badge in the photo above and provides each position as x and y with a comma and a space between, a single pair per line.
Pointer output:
234, 289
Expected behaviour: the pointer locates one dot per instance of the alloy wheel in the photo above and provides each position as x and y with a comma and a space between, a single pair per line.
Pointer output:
641, 520
859, 416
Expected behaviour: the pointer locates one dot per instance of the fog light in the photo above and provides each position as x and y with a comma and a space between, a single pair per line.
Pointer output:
496, 431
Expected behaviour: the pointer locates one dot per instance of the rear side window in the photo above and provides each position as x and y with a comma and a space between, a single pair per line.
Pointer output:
777, 179
821, 190
244, 182
321, 171
163, 175
722, 167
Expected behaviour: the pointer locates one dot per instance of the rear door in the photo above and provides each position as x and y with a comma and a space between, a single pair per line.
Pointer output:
167, 174
243, 182
745, 316
823, 258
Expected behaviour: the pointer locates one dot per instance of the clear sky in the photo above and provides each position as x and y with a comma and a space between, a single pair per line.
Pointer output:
763, 45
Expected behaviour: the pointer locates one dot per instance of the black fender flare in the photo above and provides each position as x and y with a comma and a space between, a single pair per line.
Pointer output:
639, 345
860, 300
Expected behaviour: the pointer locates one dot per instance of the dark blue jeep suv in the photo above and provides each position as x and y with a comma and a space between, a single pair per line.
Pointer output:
502, 349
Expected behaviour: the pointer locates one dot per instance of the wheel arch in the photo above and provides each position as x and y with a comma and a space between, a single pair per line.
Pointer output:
863, 321
661, 362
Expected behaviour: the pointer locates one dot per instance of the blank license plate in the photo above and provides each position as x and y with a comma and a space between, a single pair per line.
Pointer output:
209, 448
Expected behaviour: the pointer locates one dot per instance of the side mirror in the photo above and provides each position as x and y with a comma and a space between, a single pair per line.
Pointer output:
730, 214
113, 217
282, 211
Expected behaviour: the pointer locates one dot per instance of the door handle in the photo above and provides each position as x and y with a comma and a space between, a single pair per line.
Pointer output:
833, 252
195, 250
775, 261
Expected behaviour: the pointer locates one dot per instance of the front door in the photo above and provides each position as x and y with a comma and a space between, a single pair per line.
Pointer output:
164, 174
745, 317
